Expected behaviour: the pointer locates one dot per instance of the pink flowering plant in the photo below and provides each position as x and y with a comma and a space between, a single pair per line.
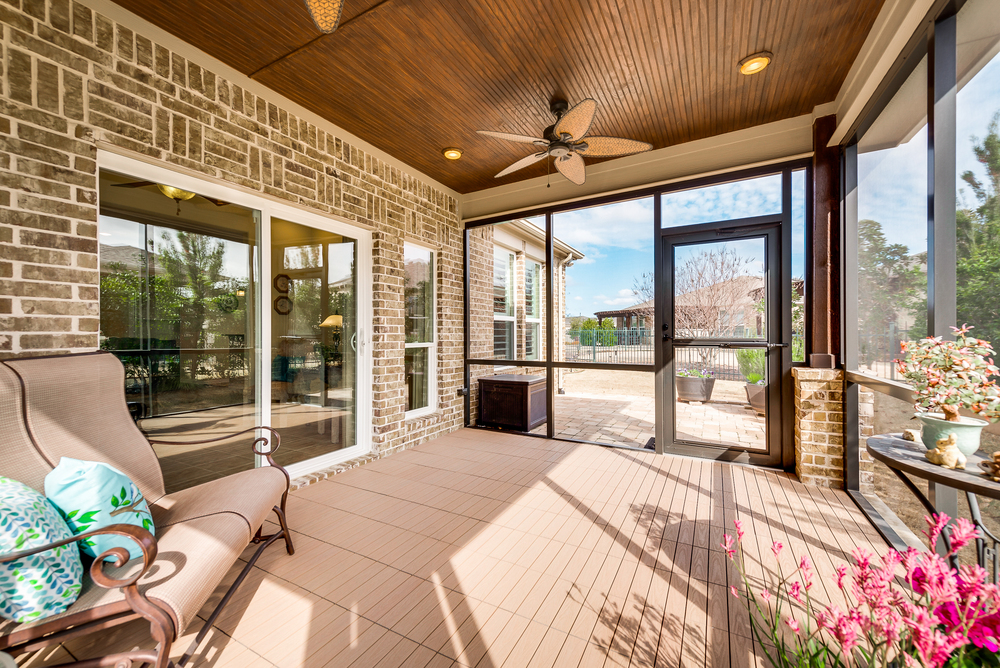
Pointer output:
905, 610
949, 375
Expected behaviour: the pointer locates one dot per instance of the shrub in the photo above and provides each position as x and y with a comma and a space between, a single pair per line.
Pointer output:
751, 363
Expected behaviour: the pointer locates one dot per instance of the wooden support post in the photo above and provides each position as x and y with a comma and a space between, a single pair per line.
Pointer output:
824, 285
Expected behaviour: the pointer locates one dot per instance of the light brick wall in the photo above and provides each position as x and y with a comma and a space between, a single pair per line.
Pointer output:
72, 77
819, 426
866, 425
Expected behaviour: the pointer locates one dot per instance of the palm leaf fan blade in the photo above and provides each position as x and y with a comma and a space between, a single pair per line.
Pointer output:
572, 168
607, 147
576, 122
522, 163
507, 136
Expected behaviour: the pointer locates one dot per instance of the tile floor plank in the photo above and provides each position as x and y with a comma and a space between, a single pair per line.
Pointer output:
492, 549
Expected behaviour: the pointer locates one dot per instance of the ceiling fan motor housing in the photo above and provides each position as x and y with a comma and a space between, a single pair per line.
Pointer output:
559, 149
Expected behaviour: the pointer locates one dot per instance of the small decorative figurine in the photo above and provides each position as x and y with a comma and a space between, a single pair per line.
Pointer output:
947, 454
991, 467
911, 435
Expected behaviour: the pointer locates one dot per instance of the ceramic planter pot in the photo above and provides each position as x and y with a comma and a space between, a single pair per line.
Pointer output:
967, 431
757, 396
694, 389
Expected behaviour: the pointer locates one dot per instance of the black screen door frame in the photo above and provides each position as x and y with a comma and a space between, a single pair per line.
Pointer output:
776, 340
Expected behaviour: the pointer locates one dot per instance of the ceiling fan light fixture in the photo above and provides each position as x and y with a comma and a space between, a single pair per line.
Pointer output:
175, 193
325, 13
755, 63
452, 153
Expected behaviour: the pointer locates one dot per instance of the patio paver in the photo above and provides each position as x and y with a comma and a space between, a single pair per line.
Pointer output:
489, 549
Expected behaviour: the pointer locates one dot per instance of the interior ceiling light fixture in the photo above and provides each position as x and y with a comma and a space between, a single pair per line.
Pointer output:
452, 153
566, 141
755, 63
325, 13
175, 193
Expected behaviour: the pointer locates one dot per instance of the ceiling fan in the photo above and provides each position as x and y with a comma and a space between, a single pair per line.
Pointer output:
565, 141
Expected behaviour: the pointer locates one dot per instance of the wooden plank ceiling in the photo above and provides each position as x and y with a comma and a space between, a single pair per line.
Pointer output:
415, 76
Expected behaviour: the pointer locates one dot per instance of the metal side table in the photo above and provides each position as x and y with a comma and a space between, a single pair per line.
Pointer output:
907, 458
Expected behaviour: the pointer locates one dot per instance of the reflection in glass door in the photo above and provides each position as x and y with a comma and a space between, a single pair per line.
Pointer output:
314, 340
722, 344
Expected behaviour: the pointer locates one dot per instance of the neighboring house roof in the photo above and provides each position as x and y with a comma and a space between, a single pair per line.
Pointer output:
134, 259
642, 308
744, 287
532, 232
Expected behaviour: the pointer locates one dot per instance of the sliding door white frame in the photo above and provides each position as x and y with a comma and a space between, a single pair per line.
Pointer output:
161, 173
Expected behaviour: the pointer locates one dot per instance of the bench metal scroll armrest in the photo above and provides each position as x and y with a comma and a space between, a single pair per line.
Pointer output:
162, 624
258, 443
138, 535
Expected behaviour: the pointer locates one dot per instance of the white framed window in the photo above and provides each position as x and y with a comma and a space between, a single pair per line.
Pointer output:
532, 310
504, 327
420, 326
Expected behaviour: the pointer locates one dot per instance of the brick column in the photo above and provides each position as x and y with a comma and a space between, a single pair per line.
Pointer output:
866, 420
819, 426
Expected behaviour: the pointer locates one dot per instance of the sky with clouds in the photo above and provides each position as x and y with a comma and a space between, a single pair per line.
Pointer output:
617, 239
892, 183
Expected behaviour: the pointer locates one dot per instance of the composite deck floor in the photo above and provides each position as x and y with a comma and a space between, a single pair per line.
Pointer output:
488, 549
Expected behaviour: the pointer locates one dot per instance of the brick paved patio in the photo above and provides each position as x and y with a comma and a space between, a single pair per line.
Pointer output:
629, 420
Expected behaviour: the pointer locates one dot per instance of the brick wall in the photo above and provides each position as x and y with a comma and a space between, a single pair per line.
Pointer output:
819, 426
866, 425
72, 77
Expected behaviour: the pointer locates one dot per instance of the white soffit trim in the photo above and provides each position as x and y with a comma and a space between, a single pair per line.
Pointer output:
896, 23
763, 144
143, 27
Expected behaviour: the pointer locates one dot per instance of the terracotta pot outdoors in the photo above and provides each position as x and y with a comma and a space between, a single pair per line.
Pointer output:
757, 396
694, 389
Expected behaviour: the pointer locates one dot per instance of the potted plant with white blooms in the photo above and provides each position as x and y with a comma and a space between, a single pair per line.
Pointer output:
948, 376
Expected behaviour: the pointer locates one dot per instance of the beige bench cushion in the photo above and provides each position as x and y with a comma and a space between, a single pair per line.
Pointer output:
192, 559
18, 457
250, 494
75, 407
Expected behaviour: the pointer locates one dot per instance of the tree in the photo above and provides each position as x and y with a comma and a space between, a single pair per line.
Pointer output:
979, 242
193, 266
713, 297
644, 290
891, 282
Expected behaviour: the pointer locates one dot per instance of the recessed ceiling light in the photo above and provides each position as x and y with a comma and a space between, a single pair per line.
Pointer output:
755, 63
452, 153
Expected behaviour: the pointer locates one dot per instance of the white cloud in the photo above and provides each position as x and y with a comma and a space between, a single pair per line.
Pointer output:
578, 299
624, 298
600, 297
622, 225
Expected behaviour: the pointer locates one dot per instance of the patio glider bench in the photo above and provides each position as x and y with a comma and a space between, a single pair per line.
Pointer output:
74, 406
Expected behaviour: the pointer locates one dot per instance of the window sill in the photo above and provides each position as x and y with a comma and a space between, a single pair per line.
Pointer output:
421, 414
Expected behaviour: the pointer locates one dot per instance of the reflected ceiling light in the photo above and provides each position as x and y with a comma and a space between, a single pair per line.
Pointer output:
755, 63
452, 153
333, 321
325, 13
175, 194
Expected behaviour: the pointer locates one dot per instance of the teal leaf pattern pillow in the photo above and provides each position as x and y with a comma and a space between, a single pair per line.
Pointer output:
44, 584
93, 495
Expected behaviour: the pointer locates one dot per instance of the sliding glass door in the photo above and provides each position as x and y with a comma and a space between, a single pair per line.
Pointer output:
229, 310
314, 340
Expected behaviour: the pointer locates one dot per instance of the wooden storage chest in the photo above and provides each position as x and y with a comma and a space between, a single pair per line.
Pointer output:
511, 401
